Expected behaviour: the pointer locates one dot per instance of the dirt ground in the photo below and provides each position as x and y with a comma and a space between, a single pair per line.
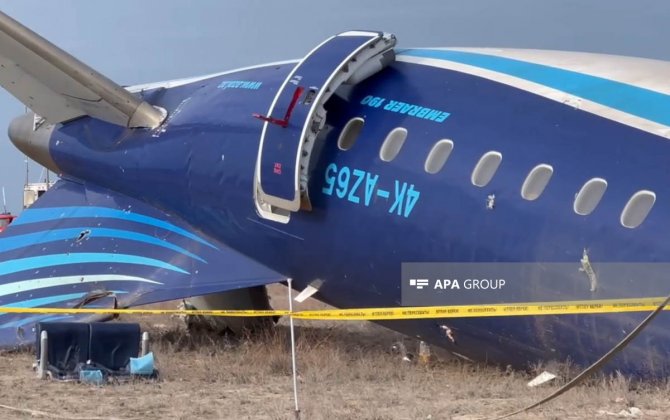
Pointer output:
346, 371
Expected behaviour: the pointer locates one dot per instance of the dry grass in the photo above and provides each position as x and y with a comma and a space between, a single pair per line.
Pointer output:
346, 371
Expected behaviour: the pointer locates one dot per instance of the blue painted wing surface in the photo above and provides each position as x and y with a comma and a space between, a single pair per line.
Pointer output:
80, 242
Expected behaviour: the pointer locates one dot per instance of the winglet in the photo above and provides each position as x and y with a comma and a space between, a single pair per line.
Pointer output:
59, 87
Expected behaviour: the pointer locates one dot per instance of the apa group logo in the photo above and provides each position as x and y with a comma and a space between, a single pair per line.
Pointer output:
418, 283
456, 284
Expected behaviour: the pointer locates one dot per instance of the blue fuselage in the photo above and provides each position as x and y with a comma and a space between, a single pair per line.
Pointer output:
369, 216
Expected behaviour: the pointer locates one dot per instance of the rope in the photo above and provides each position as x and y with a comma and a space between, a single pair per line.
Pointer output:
51, 415
597, 365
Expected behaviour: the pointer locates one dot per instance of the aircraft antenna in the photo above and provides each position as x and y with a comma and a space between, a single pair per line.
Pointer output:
4, 200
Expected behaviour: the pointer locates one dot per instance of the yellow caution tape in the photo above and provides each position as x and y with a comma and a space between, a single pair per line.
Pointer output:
380, 314
111, 311
493, 310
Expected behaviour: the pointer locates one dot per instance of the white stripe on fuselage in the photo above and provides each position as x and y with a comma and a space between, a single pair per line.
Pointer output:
644, 73
640, 72
545, 91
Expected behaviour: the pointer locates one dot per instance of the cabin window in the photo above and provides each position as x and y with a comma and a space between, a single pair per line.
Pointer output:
637, 208
438, 156
536, 182
486, 168
589, 196
392, 144
350, 133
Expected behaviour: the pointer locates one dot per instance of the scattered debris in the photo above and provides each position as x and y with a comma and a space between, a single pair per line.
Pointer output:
449, 333
629, 413
93, 353
542, 378
424, 353
400, 349
309, 291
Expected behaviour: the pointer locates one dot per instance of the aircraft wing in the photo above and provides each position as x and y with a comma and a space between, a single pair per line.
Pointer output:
82, 244
58, 87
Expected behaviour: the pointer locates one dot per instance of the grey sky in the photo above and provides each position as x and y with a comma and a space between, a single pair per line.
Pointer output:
134, 41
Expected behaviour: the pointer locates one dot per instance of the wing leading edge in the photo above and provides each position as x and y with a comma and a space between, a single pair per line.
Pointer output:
80, 242
59, 87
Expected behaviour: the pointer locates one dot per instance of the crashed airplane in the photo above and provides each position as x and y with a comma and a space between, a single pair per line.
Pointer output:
372, 176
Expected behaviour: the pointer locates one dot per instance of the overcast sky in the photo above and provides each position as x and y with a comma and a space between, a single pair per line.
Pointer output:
134, 41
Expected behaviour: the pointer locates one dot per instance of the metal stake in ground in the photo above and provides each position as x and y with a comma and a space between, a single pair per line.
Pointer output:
44, 353
293, 362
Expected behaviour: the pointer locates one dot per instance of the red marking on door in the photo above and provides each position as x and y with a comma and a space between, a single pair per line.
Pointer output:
277, 168
283, 122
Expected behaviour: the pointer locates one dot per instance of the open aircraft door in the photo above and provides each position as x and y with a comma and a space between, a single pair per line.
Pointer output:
297, 114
